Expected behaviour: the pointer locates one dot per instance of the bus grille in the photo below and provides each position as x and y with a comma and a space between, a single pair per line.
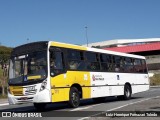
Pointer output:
31, 92
21, 91
17, 93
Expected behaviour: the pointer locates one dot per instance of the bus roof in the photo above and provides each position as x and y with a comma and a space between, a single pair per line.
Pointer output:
78, 47
43, 45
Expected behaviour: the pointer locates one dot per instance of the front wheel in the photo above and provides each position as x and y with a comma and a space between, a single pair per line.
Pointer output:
74, 97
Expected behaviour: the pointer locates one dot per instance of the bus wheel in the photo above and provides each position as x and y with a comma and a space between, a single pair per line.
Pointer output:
40, 106
127, 92
74, 97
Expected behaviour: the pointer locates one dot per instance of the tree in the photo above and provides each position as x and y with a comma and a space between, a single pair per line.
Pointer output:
4, 58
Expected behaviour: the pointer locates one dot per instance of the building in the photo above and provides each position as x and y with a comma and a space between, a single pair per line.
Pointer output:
150, 48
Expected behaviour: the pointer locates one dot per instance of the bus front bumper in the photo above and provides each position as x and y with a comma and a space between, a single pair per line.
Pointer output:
40, 97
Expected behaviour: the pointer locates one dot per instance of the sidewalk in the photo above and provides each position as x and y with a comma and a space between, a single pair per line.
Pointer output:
156, 86
3, 100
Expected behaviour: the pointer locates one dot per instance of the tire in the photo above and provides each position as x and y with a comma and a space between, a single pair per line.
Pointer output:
74, 97
40, 106
127, 92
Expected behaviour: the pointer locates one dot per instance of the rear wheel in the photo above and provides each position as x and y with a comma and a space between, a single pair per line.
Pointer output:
40, 106
74, 97
127, 92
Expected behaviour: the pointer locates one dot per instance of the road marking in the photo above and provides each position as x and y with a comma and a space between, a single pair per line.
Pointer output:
3, 104
129, 104
81, 108
119, 107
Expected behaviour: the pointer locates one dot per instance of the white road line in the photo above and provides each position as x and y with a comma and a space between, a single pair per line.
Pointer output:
3, 104
81, 108
129, 104
119, 107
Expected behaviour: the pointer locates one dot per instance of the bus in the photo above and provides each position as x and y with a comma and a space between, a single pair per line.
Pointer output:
49, 72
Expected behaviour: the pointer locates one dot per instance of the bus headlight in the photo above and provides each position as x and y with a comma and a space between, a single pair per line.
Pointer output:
43, 85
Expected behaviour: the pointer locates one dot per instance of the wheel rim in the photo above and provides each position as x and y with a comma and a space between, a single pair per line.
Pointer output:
127, 93
75, 99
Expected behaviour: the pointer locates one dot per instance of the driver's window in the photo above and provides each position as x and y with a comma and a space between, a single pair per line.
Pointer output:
56, 62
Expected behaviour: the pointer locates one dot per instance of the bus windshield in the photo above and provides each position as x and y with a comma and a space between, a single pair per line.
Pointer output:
27, 68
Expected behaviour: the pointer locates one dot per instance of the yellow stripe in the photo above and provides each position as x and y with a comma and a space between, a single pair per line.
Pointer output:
57, 44
34, 77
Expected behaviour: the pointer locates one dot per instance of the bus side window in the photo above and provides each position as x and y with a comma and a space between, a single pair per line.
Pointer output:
137, 65
118, 63
56, 62
144, 66
92, 61
73, 64
75, 60
106, 62
128, 65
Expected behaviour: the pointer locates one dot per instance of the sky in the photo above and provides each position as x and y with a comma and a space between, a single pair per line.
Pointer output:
23, 21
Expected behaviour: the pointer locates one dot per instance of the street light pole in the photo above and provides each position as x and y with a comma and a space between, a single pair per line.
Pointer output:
27, 40
86, 35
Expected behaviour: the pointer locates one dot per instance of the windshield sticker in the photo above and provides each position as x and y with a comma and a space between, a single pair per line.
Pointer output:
25, 78
34, 77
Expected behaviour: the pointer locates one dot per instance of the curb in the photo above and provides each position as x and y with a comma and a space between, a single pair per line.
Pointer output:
2, 100
157, 86
3, 104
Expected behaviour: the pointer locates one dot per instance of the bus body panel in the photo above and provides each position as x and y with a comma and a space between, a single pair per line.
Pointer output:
112, 84
93, 83
140, 88
61, 84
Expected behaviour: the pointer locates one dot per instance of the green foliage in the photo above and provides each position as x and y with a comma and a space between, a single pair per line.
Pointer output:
4, 57
155, 80
4, 54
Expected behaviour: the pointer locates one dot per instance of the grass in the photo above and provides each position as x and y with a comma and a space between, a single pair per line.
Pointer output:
155, 80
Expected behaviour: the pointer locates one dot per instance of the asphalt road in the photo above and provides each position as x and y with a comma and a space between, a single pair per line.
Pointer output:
145, 101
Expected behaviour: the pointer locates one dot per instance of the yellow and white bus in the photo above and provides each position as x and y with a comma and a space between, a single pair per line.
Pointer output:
47, 72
